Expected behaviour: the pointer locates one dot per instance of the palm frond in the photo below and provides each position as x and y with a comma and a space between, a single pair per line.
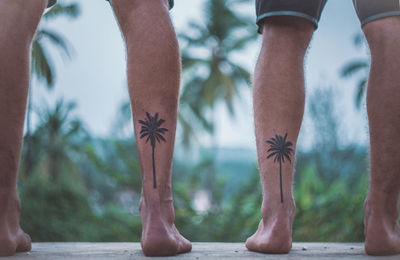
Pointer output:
242, 42
57, 40
41, 65
68, 10
280, 148
150, 128
359, 39
188, 61
362, 86
354, 67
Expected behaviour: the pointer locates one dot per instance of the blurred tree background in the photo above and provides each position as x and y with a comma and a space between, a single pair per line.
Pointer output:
75, 187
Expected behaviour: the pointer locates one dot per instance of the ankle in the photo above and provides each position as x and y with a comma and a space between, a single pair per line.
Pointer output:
381, 204
273, 205
9, 195
161, 194
8, 190
156, 203
158, 212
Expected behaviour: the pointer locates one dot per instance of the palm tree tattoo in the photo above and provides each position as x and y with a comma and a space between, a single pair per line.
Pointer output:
280, 149
151, 128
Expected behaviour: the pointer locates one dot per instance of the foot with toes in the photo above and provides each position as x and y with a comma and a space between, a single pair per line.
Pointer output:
160, 237
381, 227
12, 238
274, 233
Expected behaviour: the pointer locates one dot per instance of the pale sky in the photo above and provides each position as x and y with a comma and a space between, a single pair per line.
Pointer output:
95, 78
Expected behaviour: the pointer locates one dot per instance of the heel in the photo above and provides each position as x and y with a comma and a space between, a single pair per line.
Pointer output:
159, 245
7, 247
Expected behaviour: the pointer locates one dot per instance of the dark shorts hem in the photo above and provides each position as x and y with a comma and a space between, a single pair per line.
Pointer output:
171, 4
311, 10
50, 3
285, 13
379, 16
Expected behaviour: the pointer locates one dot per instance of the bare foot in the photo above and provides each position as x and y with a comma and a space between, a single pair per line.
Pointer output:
12, 238
381, 228
159, 234
274, 233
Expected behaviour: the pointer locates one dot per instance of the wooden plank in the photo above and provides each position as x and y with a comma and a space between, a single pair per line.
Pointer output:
237, 251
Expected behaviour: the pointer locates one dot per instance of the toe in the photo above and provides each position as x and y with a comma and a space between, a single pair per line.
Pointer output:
250, 243
23, 242
184, 245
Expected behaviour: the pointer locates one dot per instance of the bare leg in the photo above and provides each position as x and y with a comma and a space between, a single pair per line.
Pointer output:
153, 75
278, 110
17, 27
382, 229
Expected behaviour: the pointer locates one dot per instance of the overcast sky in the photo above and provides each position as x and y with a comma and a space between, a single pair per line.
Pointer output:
95, 78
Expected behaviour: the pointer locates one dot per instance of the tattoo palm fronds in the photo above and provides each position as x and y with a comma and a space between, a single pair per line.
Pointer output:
152, 130
280, 149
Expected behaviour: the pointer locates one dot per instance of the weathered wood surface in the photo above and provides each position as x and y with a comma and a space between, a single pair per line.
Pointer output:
200, 251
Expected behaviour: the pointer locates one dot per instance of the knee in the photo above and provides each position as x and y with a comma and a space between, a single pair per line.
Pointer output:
128, 12
383, 35
136, 4
18, 25
291, 34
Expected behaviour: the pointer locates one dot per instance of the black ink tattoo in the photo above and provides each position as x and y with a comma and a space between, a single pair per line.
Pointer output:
151, 128
280, 149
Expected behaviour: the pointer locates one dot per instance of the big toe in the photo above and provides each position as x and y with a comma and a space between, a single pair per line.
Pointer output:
23, 242
184, 245
250, 243
261, 245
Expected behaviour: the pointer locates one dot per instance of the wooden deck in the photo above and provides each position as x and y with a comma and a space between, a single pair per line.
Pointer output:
200, 251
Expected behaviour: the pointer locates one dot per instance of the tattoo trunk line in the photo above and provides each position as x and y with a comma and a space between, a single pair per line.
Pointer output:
154, 168
280, 177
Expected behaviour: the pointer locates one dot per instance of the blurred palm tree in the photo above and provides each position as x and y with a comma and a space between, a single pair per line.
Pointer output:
57, 141
41, 64
358, 67
211, 74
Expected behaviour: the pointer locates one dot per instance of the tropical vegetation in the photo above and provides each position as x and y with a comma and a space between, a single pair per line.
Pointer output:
80, 188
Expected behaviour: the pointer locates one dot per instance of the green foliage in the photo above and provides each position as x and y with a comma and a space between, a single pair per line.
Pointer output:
56, 212
75, 187
85, 198
59, 190
63, 212
328, 211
